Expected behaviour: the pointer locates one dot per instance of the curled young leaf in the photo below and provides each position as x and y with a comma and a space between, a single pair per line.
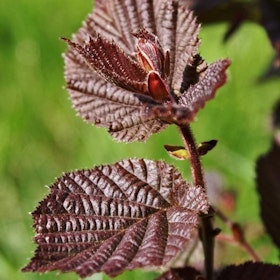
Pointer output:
181, 153
108, 60
158, 90
132, 214
150, 53
204, 147
177, 152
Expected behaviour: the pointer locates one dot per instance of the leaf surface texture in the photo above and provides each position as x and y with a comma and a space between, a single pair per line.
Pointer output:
132, 214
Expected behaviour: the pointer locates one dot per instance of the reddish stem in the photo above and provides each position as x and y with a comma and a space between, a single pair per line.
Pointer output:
207, 235
194, 156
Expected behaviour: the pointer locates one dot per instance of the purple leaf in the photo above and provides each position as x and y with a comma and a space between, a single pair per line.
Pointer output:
249, 270
132, 214
268, 181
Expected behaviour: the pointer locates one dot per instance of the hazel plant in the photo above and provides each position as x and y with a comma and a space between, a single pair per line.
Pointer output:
134, 69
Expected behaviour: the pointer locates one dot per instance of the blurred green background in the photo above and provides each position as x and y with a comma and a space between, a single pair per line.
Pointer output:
41, 136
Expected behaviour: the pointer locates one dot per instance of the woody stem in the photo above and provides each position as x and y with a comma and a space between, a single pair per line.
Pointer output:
207, 235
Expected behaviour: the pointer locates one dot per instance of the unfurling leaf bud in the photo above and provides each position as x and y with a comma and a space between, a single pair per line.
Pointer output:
157, 87
181, 153
204, 147
177, 152
150, 53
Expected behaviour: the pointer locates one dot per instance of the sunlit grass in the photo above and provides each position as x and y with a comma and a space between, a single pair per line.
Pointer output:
41, 137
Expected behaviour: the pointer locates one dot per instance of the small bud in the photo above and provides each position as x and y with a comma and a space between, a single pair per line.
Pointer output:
157, 87
181, 153
204, 147
177, 152
150, 53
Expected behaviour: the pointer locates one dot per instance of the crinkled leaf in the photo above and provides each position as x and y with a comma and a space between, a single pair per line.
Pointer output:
184, 273
194, 98
108, 60
197, 95
117, 20
177, 31
268, 181
249, 270
132, 214
106, 105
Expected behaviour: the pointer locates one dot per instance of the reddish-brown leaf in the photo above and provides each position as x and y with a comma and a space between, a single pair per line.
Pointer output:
108, 60
187, 44
132, 214
177, 32
107, 105
117, 20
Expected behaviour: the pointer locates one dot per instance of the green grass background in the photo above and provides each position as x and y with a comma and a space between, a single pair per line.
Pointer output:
41, 136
